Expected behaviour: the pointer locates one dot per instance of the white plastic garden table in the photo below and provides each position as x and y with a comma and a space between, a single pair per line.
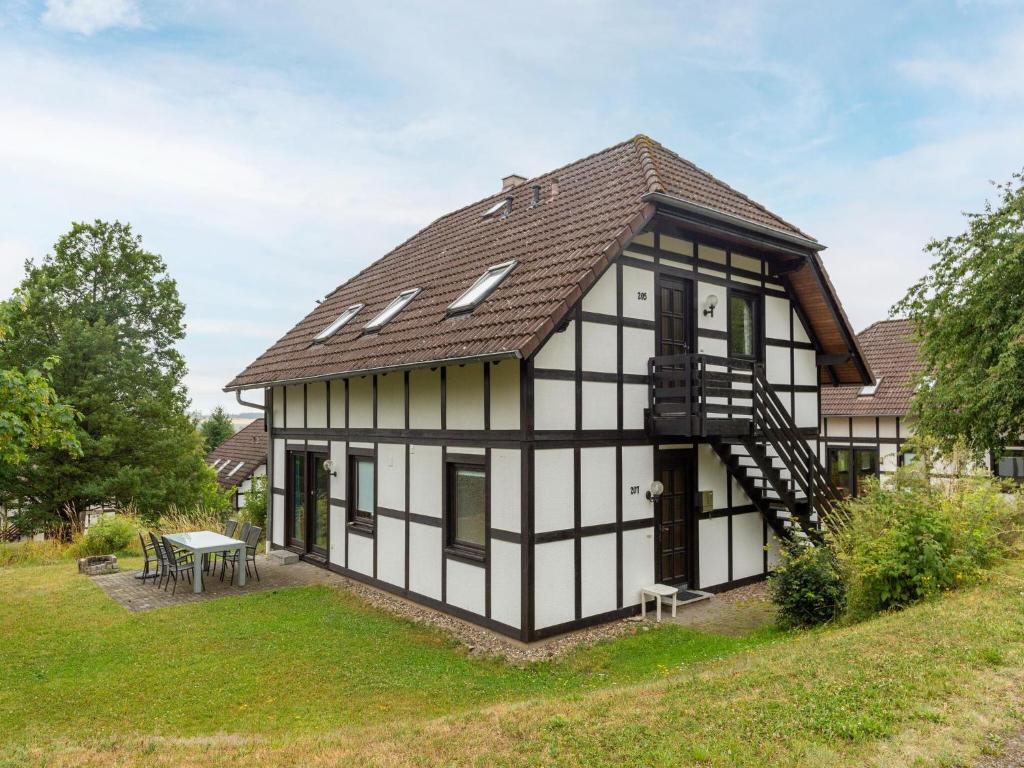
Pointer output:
201, 543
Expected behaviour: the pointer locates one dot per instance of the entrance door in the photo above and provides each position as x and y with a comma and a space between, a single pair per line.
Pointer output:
308, 507
673, 316
319, 504
675, 519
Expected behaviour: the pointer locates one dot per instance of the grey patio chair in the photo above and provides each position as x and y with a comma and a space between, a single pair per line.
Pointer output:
150, 553
252, 540
229, 530
161, 557
175, 563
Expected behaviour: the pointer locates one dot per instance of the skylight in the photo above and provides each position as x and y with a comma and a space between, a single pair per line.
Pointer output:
391, 310
870, 389
238, 466
343, 318
482, 288
495, 208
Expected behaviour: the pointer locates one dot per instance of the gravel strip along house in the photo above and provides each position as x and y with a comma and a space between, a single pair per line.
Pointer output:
590, 381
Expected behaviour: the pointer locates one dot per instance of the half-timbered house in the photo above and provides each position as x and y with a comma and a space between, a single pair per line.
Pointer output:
865, 429
596, 379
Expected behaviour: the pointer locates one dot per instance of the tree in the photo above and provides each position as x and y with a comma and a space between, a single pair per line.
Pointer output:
217, 428
968, 312
106, 313
31, 416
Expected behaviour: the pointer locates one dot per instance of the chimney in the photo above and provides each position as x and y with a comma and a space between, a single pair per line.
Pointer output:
512, 180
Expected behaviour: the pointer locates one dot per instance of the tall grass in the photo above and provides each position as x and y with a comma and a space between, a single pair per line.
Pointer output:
64, 548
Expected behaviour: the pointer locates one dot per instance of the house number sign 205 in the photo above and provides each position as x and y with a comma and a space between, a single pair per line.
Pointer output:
641, 295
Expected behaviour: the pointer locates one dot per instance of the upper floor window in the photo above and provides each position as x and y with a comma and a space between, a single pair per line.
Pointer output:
392, 309
334, 327
742, 325
482, 288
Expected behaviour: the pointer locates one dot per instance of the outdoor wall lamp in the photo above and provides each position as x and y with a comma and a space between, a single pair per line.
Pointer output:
709, 304
655, 491
331, 468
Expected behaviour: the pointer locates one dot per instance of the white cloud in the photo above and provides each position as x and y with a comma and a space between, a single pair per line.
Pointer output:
90, 16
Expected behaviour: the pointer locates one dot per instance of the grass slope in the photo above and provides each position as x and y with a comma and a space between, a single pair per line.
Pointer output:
75, 668
922, 687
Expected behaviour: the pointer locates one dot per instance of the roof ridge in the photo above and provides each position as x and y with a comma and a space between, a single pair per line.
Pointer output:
884, 321
732, 189
643, 145
444, 216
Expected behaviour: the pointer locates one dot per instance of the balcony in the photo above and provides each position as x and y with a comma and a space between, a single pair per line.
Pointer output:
697, 395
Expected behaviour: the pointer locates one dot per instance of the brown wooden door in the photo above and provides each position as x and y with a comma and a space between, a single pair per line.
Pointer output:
675, 518
673, 316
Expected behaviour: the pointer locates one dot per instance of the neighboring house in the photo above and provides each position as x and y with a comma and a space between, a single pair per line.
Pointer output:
590, 381
240, 459
864, 428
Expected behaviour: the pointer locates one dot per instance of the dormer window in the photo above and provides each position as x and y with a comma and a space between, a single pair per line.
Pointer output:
482, 288
870, 389
391, 310
334, 327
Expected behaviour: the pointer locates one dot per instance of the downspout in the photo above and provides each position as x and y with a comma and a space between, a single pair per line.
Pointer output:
270, 450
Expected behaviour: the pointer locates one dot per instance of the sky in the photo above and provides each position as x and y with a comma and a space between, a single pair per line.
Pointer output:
268, 151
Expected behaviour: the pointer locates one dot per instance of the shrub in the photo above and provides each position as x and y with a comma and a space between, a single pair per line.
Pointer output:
255, 508
913, 539
108, 536
807, 586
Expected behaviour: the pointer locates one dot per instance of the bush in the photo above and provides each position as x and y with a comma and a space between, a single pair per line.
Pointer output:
108, 536
807, 586
255, 508
913, 539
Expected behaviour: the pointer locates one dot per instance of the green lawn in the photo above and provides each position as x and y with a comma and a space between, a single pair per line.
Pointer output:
304, 660
320, 679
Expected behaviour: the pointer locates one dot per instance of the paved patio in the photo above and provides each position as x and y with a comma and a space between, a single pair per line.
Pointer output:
734, 613
130, 592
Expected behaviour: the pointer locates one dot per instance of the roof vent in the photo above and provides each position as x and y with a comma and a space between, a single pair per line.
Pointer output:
508, 207
535, 201
512, 180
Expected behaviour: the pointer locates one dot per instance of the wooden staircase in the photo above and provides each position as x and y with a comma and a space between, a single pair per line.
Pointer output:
731, 404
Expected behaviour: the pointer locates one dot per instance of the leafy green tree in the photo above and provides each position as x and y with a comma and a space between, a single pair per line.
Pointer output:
216, 428
969, 314
106, 312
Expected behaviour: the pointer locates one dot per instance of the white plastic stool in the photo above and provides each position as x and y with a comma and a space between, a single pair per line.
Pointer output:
658, 592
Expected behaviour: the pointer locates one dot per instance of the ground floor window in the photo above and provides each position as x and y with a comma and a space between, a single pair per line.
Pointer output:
848, 467
362, 496
467, 505
1011, 465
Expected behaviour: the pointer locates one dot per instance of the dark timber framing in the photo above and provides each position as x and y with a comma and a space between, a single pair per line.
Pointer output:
477, 446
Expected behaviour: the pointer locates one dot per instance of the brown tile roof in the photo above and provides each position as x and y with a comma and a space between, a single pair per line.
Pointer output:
588, 211
891, 352
249, 446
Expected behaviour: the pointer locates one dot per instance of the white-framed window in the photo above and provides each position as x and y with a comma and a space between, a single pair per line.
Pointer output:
334, 327
392, 309
482, 288
870, 389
